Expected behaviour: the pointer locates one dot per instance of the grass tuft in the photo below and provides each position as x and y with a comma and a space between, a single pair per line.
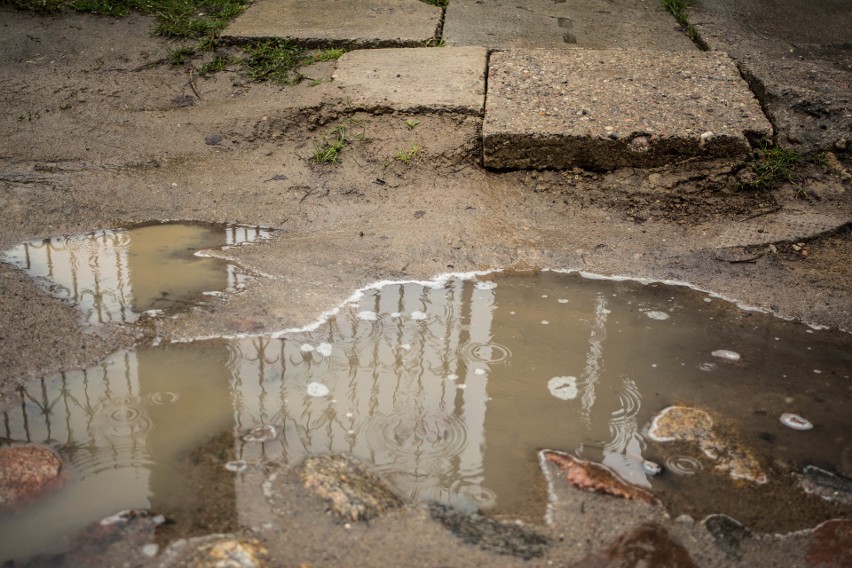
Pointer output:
180, 19
407, 156
326, 55
678, 9
328, 152
274, 60
775, 165
181, 54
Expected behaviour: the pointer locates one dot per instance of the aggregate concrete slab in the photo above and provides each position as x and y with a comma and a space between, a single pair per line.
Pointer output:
796, 55
347, 23
555, 24
448, 79
605, 109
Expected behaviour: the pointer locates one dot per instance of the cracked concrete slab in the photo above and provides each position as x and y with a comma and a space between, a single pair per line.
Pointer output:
409, 79
796, 55
347, 23
606, 109
555, 24
782, 227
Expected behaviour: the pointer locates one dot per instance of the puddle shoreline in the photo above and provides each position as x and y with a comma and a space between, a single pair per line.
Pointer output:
448, 350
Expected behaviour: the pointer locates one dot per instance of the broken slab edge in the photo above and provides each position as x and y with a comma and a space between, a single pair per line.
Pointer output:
502, 151
349, 44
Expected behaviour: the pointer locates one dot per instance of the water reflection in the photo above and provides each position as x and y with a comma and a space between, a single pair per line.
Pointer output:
449, 389
117, 274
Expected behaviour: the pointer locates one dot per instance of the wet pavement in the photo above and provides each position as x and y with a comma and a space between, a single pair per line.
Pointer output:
240, 153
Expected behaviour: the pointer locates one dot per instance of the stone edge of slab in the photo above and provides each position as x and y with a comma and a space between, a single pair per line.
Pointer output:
531, 150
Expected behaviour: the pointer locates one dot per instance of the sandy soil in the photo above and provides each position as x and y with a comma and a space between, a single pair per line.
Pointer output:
98, 131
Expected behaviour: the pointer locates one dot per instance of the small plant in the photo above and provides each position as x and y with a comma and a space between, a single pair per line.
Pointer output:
678, 8
434, 42
441, 3
181, 54
327, 152
29, 116
775, 165
820, 159
411, 123
407, 156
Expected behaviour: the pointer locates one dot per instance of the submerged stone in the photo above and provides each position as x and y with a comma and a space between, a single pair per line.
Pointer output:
648, 545
216, 551
694, 425
501, 537
123, 539
26, 472
354, 492
680, 423
728, 533
596, 477
830, 545
826, 485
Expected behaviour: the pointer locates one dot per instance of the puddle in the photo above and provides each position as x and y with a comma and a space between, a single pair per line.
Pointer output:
449, 390
115, 275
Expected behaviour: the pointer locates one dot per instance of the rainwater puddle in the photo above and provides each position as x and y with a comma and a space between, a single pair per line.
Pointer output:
115, 275
449, 389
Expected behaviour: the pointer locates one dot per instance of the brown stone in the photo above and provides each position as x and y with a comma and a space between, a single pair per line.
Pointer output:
831, 545
648, 545
596, 477
27, 471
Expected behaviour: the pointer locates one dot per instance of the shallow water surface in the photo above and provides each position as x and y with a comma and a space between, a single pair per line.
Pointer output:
115, 275
449, 389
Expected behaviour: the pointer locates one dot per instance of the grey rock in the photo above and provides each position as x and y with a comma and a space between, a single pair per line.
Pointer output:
501, 537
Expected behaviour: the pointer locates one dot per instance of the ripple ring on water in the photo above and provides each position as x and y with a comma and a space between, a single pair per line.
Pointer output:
163, 397
490, 353
438, 435
480, 496
684, 465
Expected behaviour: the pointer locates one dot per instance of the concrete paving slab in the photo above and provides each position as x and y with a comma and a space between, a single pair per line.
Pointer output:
450, 79
797, 56
557, 24
340, 23
605, 109
782, 227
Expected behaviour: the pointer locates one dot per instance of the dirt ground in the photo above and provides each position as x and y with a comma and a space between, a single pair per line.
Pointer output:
97, 130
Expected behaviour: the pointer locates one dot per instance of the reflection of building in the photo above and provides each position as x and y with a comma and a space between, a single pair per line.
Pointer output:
422, 385
443, 388
400, 394
127, 433
115, 275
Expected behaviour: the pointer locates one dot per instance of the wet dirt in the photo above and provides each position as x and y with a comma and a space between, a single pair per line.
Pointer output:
98, 132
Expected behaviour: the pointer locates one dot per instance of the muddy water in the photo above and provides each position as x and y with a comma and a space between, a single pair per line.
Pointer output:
115, 275
449, 389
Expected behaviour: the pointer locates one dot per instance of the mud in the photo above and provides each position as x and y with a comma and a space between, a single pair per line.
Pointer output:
97, 131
